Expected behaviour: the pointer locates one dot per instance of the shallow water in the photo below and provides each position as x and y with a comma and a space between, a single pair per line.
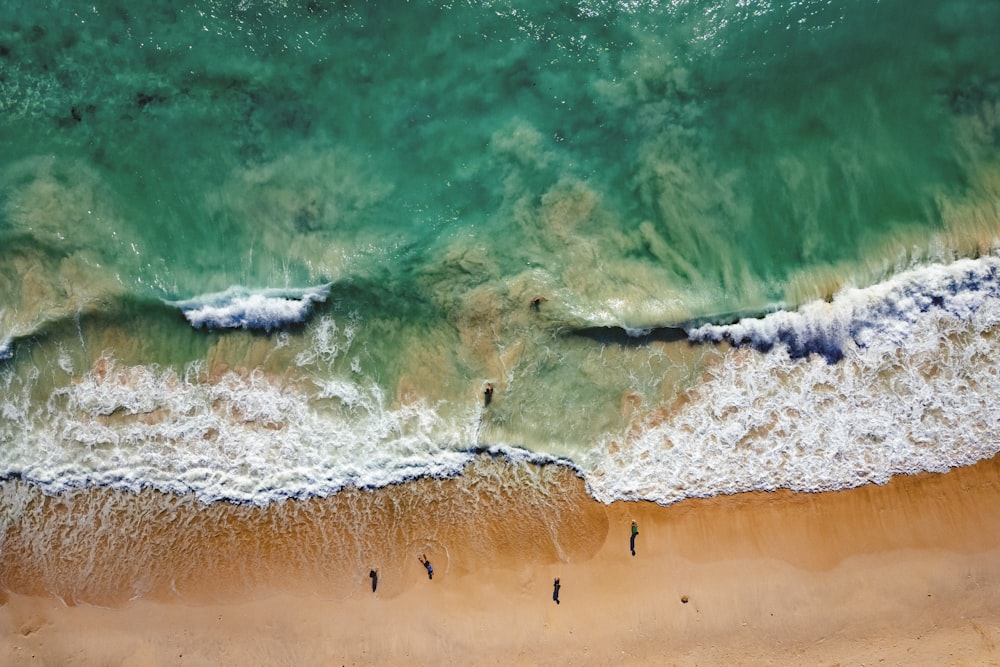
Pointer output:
264, 250
106, 547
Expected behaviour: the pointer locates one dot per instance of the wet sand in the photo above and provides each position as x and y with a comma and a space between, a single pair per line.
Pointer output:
905, 573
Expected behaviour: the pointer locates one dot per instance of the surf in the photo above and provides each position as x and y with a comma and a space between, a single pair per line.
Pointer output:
242, 308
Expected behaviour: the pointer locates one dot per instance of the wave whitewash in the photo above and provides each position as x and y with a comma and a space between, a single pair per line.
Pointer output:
174, 178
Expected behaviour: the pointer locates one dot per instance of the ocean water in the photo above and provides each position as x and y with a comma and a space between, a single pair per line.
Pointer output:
261, 250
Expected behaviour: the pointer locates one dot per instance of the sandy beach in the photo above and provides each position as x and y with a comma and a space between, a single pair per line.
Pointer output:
293, 293
905, 573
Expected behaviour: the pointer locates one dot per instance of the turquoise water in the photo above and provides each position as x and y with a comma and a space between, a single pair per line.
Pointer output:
265, 249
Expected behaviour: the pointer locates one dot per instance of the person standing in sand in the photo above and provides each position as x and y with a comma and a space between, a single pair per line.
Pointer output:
427, 564
555, 590
635, 531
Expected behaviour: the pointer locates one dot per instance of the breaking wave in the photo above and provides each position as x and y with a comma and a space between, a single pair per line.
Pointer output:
882, 315
242, 308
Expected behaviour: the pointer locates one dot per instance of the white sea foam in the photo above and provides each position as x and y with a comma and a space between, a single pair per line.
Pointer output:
916, 388
886, 314
238, 438
242, 308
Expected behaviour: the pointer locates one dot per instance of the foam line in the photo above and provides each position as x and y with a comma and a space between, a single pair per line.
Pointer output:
915, 390
884, 314
241, 308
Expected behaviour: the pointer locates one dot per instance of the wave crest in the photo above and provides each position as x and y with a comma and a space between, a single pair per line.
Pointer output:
882, 315
241, 308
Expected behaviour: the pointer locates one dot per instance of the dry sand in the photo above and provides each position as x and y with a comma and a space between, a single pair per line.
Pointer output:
902, 574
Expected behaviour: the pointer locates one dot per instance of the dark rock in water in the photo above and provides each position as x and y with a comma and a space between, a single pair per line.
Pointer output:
144, 99
307, 218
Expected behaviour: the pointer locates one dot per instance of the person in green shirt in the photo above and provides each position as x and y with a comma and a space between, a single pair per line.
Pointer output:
635, 531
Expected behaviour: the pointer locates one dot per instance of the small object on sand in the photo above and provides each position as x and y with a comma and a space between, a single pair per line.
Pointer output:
684, 599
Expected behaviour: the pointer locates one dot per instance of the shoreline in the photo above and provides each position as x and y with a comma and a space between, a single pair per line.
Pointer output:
908, 572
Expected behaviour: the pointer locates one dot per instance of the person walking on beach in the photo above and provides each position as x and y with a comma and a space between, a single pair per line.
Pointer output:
635, 531
374, 575
427, 564
555, 590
